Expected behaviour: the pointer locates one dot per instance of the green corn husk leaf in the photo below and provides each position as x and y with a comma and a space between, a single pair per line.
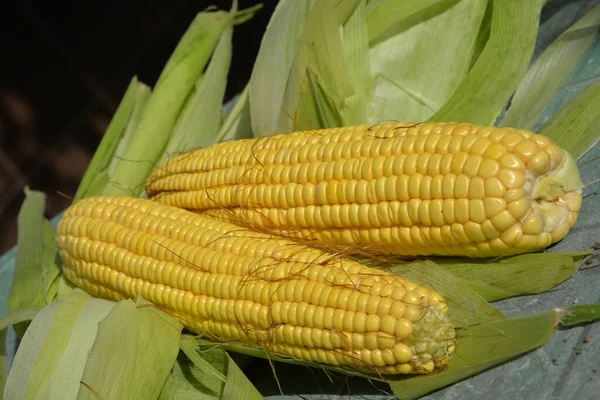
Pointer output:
321, 52
142, 96
273, 65
186, 382
524, 274
316, 108
418, 70
575, 126
237, 125
542, 81
345, 8
95, 177
35, 270
61, 335
467, 306
392, 17
201, 114
191, 349
132, 356
16, 317
238, 386
482, 346
246, 14
484, 33
356, 51
221, 376
64, 288
174, 85
500, 67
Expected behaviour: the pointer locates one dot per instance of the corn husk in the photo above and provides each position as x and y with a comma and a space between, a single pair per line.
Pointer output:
36, 270
574, 127
548, 73
202, 112
115, 140
160, 114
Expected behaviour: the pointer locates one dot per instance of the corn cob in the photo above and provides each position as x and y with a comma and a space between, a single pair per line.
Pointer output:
233, 284
424, 189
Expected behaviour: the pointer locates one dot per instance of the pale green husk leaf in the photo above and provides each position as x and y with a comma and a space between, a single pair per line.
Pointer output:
575, 126
273, 65
356, 51
61, 335
499, 68
36, 270
200, 120
524, 274
15, 317
174, 85
479, 347
547, 74
392, 17
237, 125
133, 353
418, 70
96, 174
320, 54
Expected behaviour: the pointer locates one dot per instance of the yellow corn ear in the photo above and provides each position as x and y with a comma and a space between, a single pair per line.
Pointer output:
234, 284
405, 189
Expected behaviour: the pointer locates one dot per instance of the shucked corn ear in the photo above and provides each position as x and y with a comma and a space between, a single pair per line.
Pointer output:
406, 189
238, 285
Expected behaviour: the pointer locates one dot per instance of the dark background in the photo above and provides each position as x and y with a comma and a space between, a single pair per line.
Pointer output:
63, 69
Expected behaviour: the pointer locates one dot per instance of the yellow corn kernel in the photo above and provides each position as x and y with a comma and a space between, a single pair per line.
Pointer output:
231, 283
380, 188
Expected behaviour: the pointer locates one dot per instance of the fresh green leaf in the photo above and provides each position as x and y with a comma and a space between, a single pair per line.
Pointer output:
142, 96
220, 374
485, 345
186, 382
273, 65
575, 126
542, 81
484, 33
499, 68
191, 349
16, 317
322, 53
467, 307
418, 70
200, 120
246, 14
174, 85
46, 339
65, 378
316, 108
134, 351
238, 387
519, 275
51, 264
65, 287
392, 17
237, 125
356, 50
104, 153
345, 8
34, 262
